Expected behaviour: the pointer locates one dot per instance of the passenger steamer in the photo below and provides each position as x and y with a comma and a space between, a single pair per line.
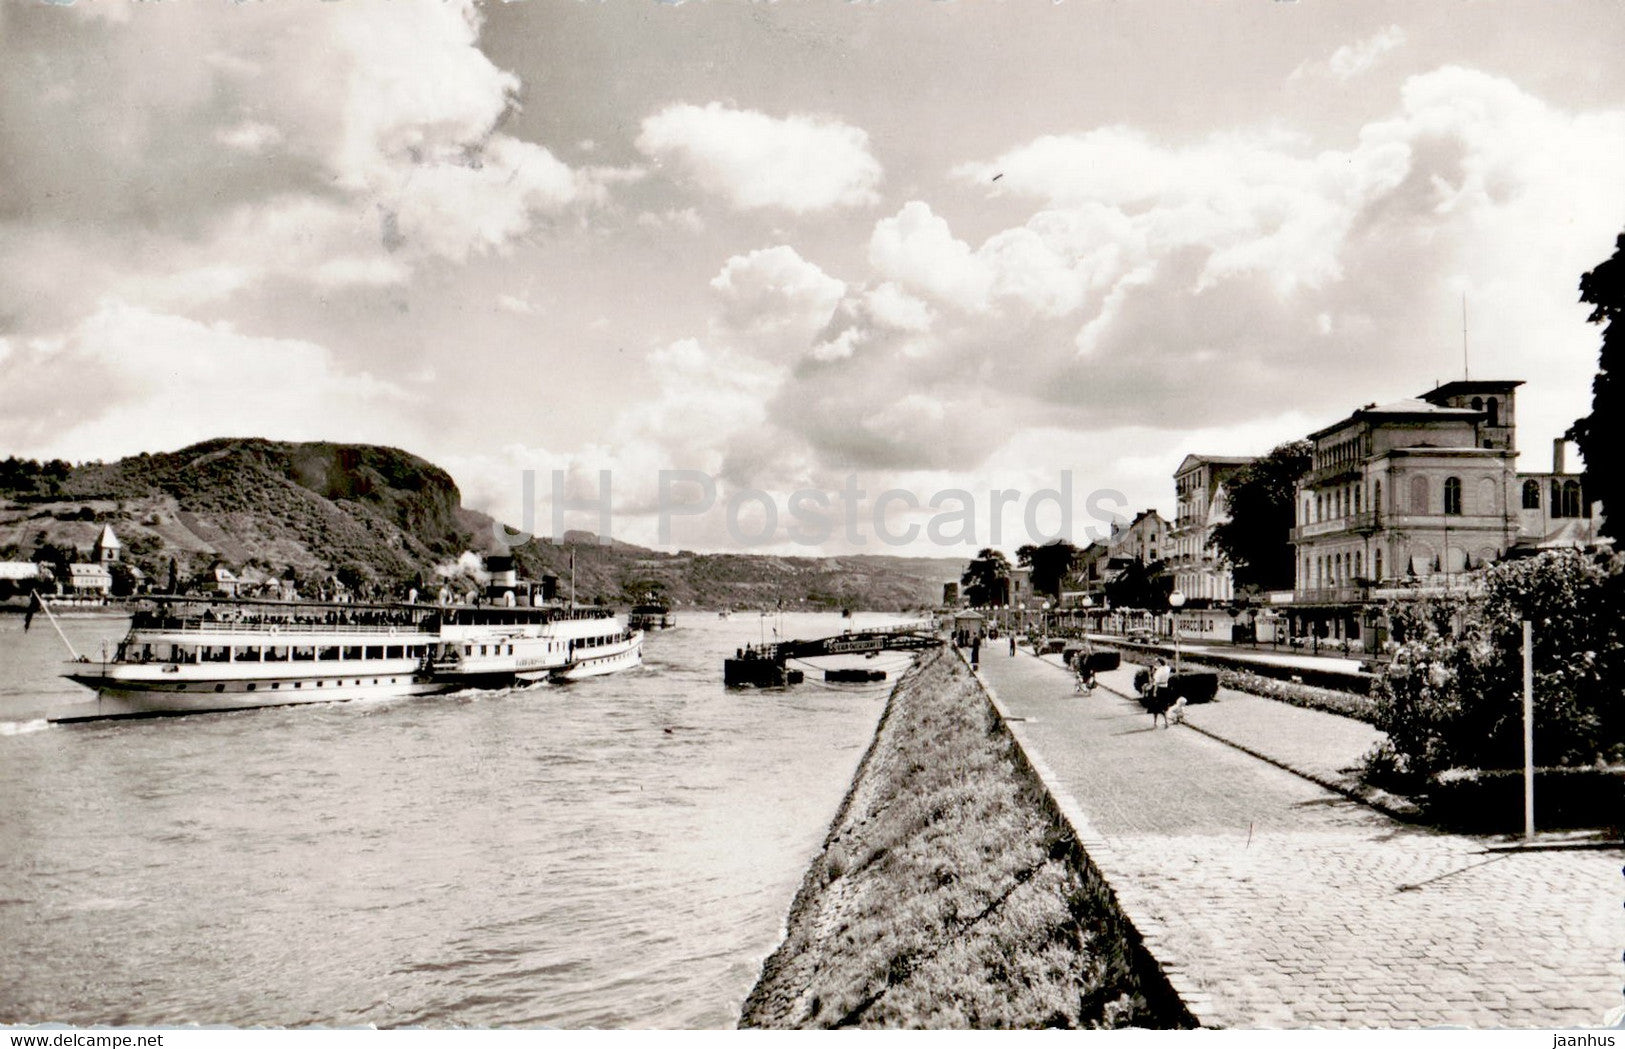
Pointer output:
187, 656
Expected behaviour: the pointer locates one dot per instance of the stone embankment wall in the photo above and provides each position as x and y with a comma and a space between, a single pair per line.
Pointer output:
950, 894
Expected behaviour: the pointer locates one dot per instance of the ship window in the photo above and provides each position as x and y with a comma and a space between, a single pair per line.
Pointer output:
297, 684
375, 651
468, 650
483, 650
394, 651
1531, 495
329, 652
252, 686
304, 653
248, 654
352, 651
319, 684
216, 653
276, 684
277, 654
219, 688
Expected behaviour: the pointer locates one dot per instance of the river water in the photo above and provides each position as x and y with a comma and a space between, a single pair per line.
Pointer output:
616, 852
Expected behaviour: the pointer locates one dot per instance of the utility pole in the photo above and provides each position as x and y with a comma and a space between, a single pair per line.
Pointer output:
1528, 731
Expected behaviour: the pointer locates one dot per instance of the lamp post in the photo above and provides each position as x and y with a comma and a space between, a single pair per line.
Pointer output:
1176, 601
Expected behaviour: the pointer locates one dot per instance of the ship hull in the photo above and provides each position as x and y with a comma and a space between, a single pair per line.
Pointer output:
122, 698
624, 656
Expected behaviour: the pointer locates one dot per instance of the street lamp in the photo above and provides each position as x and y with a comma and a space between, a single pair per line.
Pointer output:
1176, 601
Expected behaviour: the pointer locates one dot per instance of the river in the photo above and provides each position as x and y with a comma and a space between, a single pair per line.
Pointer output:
617, 852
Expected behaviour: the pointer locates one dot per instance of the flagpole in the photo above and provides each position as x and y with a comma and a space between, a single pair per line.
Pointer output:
46, 608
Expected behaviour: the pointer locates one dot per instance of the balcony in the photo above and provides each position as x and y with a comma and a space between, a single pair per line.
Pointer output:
1334, 473
1362, 523
1351, 593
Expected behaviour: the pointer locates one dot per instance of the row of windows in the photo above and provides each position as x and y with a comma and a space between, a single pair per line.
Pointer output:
1343, 452
162, 653
1339, 569
253, 686
1565, 501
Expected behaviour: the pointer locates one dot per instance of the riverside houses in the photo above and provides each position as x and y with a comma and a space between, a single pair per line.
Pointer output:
1415, 498
1199, 571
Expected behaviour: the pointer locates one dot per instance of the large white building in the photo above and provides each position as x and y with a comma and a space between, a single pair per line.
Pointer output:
1200, 572
1416, 496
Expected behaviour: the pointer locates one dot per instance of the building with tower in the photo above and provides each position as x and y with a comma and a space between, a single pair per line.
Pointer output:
1414, 498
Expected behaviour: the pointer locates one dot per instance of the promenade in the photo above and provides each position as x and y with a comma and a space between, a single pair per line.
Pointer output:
1272, 901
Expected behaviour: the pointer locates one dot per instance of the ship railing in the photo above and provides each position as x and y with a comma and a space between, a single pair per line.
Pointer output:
145, 621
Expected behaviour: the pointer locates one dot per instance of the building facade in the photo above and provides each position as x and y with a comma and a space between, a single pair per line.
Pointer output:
1200, 572
1416, 497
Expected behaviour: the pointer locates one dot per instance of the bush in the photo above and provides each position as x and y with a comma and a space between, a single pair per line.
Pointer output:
1452, 696
1469, 799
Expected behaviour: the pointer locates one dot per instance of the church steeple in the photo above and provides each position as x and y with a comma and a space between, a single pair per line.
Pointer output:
106, 549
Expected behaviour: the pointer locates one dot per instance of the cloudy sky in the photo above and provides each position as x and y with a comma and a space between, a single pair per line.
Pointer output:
923, 245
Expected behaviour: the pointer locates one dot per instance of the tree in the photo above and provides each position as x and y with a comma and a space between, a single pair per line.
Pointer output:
1141, 585
1050, 565
1263, 499
1599, 434
987, 578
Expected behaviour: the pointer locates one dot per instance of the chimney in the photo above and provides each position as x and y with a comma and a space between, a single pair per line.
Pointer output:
1557, 455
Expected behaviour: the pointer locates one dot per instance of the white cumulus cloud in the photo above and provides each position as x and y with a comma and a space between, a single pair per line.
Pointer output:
798, 164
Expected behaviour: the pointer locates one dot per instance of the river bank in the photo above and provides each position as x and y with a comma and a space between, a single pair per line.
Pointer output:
950, 895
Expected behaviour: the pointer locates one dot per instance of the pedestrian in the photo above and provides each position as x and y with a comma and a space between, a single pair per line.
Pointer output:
1012, 644
975, 651
1159, 701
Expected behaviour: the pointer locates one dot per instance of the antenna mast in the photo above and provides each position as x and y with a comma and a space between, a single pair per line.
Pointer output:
1465, 373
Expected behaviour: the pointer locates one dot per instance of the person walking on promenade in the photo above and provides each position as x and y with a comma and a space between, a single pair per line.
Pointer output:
976, 651
1012, 644
1157, 699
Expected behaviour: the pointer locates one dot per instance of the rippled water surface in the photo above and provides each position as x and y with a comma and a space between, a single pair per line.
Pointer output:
618, 852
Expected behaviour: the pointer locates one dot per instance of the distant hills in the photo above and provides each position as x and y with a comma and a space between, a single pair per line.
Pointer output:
383, 520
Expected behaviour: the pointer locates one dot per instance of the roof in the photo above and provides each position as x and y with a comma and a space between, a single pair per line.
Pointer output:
1195, 459
107, 540
1410, 408
1461, 387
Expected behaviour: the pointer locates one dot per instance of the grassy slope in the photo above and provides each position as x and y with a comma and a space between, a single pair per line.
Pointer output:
947, 895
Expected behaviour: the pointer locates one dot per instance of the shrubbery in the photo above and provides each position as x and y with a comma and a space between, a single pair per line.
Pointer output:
1452, 696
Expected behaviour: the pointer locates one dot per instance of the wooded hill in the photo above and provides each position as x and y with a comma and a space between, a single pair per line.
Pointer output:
382, 520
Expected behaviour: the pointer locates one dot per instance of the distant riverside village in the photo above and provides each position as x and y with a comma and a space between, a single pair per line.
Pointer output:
104, 575
1394, 503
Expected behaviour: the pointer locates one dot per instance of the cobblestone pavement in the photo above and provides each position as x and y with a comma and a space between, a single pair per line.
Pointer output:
1273, 902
